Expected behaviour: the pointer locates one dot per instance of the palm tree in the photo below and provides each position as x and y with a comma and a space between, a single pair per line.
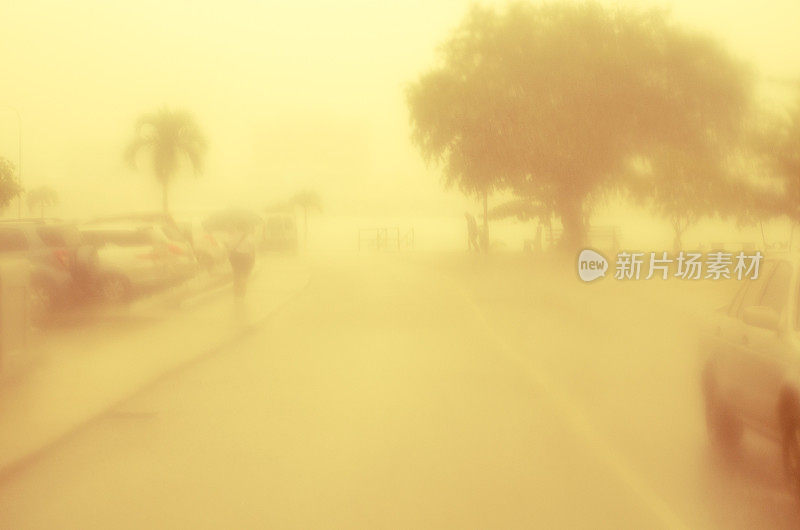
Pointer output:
308, 201
42, 197
9, 184
169, 136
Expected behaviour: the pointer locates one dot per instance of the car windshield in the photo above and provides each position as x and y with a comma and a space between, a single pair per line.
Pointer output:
173, 232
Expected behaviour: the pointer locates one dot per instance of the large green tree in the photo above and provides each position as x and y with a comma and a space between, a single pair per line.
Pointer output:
9, 185
170, 138
556, 100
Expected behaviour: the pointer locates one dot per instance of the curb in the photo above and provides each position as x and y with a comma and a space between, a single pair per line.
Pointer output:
9, 470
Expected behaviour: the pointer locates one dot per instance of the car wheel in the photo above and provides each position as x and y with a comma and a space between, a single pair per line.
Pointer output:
42, 299
724, 427
115, 289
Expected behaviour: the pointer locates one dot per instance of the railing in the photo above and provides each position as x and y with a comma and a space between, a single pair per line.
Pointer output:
385, 238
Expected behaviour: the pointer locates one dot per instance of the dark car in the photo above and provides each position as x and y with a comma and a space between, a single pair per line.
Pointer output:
60, 265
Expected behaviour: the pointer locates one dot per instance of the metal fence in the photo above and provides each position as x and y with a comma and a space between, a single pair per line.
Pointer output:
385, 238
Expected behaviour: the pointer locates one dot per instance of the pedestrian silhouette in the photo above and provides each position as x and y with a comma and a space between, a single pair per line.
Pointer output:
242, 257
472, 232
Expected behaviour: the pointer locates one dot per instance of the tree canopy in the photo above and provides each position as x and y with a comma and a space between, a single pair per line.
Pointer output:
9, 185
170, 137
555, 101
41, 198
308, 200
783, 150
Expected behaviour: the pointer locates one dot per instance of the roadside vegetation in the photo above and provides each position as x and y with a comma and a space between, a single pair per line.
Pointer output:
566, 106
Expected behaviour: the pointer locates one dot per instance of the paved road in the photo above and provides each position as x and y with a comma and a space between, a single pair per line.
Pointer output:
417, 394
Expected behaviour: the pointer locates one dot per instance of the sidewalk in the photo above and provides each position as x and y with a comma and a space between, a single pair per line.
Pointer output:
81, 373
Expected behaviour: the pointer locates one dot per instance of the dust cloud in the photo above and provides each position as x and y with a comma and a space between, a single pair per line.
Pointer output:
416, 265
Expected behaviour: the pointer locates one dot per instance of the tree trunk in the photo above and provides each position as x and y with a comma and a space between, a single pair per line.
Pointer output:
164, 198
305, 228
574, 224
677, 242
485, 234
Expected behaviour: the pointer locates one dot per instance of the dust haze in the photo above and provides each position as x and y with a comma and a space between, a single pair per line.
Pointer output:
399, 265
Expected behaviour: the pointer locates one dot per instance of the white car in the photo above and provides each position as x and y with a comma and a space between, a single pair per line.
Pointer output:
751, 362
134, 258
208, 246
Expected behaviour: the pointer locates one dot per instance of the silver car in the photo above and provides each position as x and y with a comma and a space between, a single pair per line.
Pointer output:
751, 356
135, 258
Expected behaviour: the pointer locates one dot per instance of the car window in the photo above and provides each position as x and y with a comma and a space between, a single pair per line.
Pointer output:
58, 236
748, 295
12, 240
737, 298
754, 288
172, 232
159, 237
122, 238
776, 293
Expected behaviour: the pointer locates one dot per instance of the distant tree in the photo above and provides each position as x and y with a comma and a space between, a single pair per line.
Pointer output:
279, 206
9, 185
525, 210
308, 201
555, 100
782, 146
454, 122
522, 210
170, 137
707, 172
683, 186
41, 198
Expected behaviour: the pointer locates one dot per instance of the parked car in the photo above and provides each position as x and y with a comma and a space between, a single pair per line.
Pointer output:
60, 264
135, 257
208, 246
279, 232
751, 363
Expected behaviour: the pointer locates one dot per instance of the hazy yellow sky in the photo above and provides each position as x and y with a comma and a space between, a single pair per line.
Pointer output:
291, 94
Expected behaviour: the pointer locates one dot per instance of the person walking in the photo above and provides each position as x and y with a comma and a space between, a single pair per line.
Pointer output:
242, 257
472, 232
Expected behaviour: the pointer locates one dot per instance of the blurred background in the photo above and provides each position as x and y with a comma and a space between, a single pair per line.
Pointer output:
313, 264
290, 96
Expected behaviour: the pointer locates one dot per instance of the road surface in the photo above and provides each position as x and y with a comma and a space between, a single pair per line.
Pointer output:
419, 393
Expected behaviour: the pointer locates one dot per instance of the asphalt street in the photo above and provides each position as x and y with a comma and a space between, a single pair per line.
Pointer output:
419, 393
